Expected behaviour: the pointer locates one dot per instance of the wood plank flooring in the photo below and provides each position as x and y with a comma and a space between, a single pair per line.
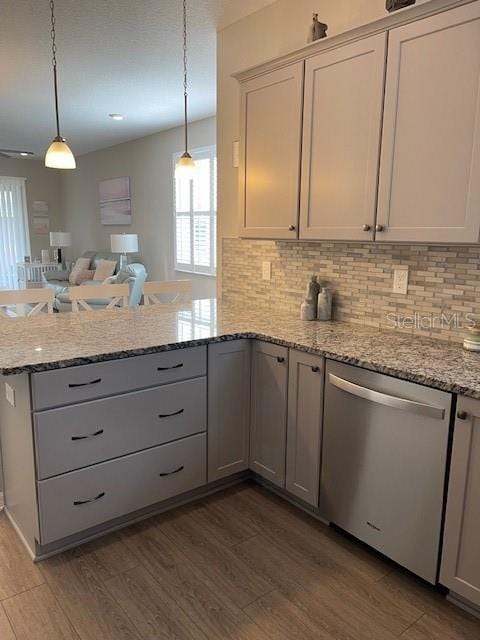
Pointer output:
239, 565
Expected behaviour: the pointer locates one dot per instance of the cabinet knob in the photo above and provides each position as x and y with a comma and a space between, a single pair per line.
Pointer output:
291, 227
379, 227
462, 415
315, 369
366, 227
280, 359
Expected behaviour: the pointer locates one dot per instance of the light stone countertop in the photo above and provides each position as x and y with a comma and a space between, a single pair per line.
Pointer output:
62, 340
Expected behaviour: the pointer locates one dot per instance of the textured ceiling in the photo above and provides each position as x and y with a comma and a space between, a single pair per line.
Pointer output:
114, 56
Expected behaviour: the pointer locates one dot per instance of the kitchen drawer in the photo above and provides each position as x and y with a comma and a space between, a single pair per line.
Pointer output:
72, 437
89, 381
82, 499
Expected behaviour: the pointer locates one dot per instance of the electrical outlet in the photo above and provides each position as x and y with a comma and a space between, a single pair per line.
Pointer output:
266, 270
10, 394
400, 280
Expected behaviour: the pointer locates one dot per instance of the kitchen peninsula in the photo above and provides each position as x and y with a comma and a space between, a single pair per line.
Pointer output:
109, 417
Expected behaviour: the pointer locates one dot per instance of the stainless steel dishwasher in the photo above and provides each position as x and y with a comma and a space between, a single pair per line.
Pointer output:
384, 460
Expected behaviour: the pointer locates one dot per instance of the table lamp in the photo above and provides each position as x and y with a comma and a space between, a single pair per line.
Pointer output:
58, 240
124, 243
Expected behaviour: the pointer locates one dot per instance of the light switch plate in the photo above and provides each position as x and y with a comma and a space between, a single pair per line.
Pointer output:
10, 394
400, 280
266, 270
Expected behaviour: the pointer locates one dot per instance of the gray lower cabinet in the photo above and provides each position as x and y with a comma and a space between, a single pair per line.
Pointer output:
83, 434
460, 568
269, 411
76, 501
228, 408
304, 428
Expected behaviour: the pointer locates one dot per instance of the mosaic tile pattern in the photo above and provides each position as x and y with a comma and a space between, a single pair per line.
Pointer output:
443, 281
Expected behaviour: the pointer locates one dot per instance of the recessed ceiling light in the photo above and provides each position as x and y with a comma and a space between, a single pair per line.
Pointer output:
115, 116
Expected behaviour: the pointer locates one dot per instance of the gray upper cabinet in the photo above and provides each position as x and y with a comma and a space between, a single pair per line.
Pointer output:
304, 428
228, 408
341, 140
269, 411
460, 570
429, 187
271, 125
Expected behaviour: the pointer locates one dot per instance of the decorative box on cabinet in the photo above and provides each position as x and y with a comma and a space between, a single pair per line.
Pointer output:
228, 408
269, 411
460, 569
429, 187
304, 427
271, 133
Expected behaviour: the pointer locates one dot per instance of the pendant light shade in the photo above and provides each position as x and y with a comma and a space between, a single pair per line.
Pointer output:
59, 154
185, 167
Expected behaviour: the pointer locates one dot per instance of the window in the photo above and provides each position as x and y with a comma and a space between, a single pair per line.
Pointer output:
196, 215
14, 237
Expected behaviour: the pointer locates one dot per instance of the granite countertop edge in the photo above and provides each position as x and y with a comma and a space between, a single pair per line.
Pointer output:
379, 367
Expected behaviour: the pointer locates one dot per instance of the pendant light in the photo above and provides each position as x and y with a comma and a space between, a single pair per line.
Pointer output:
185, 167
59, 155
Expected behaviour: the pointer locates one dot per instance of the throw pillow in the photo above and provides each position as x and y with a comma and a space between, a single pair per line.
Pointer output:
80, 265
105, 269
84, 275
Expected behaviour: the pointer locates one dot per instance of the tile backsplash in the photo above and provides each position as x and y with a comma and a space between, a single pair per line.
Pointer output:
443, 288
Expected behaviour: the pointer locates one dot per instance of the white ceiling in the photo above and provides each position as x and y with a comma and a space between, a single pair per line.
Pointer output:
114, 56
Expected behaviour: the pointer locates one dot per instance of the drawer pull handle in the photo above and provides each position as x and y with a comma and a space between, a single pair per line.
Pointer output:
74, 385
89, 436
170, 473
169, 415
77, 502
175, 366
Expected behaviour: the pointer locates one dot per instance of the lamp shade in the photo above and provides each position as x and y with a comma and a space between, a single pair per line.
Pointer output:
185, 167
124, 242
59, 155
60, 239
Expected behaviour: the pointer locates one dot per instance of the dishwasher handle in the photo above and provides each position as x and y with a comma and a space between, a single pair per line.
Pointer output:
390, 401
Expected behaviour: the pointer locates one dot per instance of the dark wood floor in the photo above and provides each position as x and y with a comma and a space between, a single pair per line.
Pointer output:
242, 565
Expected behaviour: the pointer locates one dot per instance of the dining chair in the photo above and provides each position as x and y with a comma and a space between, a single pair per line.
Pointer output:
180, 289
25, 302
111, 296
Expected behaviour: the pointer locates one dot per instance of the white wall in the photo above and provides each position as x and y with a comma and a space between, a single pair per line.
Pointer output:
148, 162
41, 184
276, 29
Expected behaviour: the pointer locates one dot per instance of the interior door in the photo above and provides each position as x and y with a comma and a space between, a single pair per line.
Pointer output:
429, 189
341, 141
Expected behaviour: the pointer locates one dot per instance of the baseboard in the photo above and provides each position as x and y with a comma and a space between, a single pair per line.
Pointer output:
458, 601
2, 502
19, 533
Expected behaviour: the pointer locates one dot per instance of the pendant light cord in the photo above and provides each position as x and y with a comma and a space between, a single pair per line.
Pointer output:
185, 94
54, 63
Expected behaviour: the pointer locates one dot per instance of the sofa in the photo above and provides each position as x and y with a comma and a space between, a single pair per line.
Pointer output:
133, 274
58, 280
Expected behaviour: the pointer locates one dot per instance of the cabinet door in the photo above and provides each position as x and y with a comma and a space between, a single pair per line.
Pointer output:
304, 428
228, 408
429, 186
341, 141
269, 411
460, 569
271, 129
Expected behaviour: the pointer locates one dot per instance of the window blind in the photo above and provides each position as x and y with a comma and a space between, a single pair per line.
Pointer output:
195, 215
14, 235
